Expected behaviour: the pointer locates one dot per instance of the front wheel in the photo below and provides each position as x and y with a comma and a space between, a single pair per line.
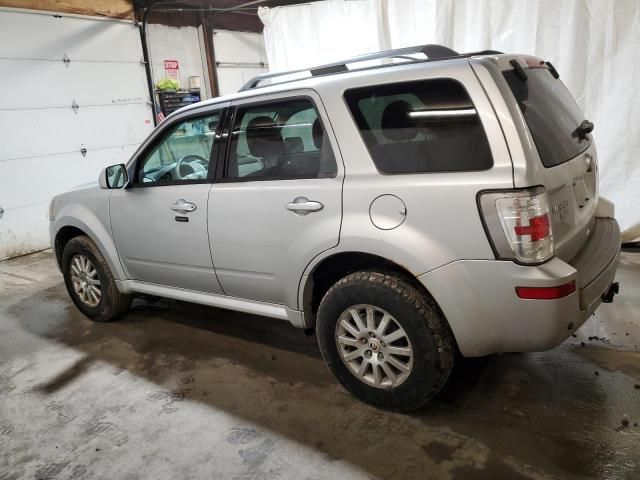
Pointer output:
90, 283
384, 340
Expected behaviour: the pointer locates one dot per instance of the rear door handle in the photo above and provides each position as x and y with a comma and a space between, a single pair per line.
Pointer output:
182, 206
303, 206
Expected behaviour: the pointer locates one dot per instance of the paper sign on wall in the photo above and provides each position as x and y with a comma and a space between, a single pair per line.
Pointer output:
172, 69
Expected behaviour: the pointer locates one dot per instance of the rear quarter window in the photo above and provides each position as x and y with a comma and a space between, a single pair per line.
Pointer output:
426, 126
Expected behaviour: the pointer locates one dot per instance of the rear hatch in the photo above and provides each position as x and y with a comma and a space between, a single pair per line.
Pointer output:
566, 163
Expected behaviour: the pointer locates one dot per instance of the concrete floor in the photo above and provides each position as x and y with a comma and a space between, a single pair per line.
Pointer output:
182, 391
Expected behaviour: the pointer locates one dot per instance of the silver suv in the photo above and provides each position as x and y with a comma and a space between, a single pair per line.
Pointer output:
404, 208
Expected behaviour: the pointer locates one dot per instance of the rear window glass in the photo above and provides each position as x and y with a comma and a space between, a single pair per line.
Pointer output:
419, 127
552, 114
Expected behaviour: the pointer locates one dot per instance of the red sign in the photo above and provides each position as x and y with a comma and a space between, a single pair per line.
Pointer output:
172, 69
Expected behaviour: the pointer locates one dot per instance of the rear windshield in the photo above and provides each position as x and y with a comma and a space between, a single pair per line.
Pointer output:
426, 126
552, 114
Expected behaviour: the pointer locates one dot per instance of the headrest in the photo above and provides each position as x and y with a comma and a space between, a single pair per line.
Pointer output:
294, 145
264, 137
396, 123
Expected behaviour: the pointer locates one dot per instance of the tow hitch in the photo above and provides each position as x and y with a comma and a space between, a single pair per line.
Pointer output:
614, 289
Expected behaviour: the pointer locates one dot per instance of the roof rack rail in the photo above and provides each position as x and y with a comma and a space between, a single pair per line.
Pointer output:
431, 51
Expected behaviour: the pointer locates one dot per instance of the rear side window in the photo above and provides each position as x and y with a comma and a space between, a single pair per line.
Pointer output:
282, 140
420, 127
552, 114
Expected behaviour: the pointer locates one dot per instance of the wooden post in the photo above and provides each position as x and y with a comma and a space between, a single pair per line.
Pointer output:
210, 55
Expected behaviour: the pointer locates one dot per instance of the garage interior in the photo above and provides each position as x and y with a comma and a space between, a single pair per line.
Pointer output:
178, 390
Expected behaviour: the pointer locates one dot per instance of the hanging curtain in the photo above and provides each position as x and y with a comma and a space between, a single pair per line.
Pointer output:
594, 44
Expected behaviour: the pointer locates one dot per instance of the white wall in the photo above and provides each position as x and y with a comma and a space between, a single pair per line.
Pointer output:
177, 43
239, 56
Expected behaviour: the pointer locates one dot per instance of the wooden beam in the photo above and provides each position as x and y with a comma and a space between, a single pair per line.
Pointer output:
99, 8
210, 55
217, 21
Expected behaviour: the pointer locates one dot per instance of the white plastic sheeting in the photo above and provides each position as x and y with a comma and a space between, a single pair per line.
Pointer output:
594, 44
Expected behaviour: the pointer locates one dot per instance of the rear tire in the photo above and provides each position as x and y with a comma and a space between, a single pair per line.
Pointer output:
90, 283
364, 309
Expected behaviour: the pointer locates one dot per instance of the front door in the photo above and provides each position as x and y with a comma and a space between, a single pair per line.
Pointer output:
159, 222
278, 203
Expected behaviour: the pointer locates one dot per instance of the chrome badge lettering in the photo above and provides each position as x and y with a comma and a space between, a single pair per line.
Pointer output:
561, 209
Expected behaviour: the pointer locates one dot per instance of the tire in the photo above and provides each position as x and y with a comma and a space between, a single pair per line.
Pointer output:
422, 329
110, 303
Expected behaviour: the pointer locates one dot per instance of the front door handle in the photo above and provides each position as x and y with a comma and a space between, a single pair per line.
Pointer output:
303, 206
182, 206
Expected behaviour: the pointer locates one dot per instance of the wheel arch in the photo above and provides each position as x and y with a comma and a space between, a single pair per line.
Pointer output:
68, 227
325, 272
63, 236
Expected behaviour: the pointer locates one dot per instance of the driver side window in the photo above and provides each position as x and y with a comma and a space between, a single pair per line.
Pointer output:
182, 155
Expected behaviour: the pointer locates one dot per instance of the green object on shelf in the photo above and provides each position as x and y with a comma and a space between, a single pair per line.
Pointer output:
167, 84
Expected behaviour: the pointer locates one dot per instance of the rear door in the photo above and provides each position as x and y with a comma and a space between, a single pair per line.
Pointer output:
278, 201
567, 164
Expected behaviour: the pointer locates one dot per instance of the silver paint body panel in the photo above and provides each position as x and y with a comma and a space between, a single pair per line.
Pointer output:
246, 251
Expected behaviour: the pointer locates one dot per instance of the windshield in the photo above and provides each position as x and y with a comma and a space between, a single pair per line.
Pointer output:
552, 114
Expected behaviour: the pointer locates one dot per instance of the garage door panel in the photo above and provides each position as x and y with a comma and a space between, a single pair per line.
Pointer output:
230, 77
42, 136
239, 47
60, 130
24, 227
50, 175
24, 230
240, 56
81, 39
38, 84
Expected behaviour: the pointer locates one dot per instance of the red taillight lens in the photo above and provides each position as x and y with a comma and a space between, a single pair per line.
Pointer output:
538, 228
525, 220
546, 293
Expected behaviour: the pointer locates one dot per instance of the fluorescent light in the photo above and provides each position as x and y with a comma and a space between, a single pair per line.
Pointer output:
459, 112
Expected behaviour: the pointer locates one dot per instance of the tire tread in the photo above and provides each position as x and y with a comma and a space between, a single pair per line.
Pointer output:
403, 288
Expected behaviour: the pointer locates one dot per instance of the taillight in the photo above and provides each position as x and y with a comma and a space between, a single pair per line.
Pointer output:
518, 223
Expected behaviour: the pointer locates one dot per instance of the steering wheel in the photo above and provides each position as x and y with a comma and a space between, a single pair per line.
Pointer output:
191, 160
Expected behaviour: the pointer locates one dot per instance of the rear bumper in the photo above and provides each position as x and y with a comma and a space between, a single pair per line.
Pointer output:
597, 263
486, 316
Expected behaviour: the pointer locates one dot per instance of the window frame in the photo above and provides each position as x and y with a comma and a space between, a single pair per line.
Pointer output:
163, 134
356, 109
223, 164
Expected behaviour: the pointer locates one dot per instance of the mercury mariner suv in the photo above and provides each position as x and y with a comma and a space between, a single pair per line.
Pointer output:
406, 206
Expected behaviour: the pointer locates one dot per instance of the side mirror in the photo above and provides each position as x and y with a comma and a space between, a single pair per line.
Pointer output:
114, 176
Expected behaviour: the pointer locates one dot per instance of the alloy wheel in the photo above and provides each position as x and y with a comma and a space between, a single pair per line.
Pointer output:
374, 346
85, 280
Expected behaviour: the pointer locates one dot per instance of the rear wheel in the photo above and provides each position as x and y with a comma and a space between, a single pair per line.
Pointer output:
90, 282
384, 340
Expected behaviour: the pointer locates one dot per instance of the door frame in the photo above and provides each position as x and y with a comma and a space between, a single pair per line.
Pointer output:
159, 134
302, 93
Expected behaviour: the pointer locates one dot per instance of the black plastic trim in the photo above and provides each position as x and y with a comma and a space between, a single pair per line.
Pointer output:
553, 70
519, 70
438, 52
